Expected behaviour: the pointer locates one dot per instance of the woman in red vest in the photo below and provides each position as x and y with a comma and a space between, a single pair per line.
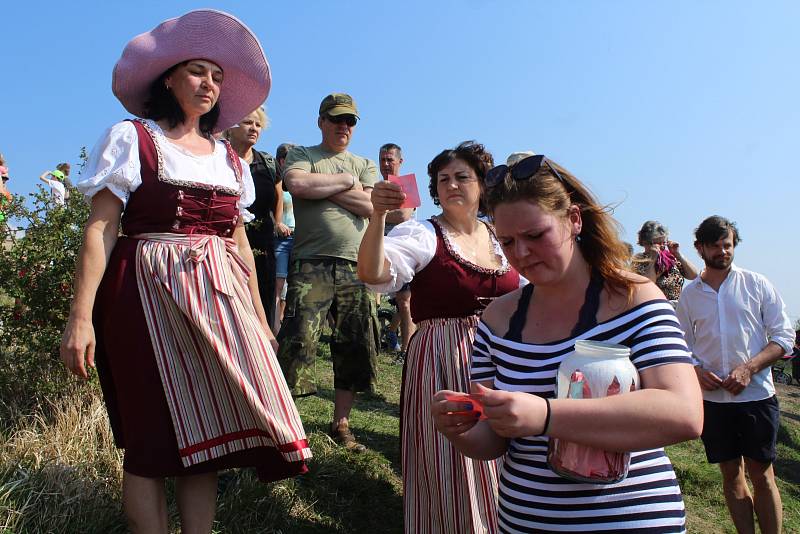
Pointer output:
168, 309
456, 267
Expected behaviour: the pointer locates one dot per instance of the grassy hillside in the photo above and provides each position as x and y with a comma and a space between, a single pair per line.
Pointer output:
60, 473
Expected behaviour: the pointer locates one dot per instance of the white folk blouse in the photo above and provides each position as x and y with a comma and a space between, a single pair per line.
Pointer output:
410, 247
114, 165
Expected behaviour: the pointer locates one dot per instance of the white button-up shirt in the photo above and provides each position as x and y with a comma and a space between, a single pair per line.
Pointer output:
728, 328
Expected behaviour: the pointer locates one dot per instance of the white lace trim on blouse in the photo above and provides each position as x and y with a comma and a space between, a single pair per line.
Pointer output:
114, 165
410, 247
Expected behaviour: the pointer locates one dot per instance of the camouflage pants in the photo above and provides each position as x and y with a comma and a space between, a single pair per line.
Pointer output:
317, 286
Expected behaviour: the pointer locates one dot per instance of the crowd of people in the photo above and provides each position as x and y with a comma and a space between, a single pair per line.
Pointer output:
209, 270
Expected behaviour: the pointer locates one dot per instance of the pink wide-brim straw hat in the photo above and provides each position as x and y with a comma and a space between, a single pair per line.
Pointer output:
202, 34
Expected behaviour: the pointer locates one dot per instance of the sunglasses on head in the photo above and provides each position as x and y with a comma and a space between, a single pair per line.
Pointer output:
350, 120
522, 170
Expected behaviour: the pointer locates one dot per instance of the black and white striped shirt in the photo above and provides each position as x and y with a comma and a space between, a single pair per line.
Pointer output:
535, 499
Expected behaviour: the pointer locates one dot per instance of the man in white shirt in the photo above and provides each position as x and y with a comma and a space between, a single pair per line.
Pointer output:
736, 326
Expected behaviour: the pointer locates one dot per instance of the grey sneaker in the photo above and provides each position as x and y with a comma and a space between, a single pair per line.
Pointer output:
342, 435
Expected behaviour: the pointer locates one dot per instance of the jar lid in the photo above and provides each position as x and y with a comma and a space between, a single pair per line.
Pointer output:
602, 348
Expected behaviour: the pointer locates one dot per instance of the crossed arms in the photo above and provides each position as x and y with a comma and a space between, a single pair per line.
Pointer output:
343, 189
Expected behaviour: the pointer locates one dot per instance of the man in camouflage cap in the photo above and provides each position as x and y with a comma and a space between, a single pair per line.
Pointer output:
331, 192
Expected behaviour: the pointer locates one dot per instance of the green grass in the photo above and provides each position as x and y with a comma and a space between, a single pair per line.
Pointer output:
701, 482
61, 473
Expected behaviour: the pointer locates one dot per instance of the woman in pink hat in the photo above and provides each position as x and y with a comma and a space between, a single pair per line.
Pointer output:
168, 309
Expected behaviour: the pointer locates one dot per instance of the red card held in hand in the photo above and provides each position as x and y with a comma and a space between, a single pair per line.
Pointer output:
408, 182
474, 400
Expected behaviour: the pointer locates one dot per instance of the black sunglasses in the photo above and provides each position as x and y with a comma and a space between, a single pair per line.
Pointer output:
350, 120
521, 170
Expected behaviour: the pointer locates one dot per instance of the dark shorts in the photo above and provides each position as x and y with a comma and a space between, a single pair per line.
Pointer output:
317, 286
735, 429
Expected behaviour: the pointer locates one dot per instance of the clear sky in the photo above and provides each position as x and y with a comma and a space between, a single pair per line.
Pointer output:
670, 110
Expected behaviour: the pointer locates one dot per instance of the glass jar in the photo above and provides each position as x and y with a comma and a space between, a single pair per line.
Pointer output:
596, 369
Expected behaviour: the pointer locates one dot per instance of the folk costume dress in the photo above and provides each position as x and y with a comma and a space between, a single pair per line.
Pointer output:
443, 490
189, 378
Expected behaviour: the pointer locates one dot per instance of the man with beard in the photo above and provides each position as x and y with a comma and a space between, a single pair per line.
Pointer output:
736, 326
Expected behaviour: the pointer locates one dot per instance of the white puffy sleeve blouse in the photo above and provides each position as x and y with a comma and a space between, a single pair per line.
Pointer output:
410, 247
114, 165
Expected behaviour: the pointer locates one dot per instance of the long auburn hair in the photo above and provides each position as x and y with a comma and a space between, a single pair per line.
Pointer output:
598, 241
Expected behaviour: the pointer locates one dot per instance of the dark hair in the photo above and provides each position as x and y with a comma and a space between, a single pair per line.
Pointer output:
650, 231
715, 228
473, 154
598, 241
391, 146
283, 149
161, 104
63, 167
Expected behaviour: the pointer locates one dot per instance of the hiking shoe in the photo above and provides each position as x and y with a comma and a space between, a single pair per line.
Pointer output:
393, 341
341, 434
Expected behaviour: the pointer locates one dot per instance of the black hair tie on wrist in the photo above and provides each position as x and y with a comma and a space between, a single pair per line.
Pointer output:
546, 418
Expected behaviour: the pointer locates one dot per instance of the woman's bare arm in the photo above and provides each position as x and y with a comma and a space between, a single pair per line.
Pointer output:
99, 238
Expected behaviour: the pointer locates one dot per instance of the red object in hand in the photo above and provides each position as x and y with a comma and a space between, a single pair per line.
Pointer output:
474, 400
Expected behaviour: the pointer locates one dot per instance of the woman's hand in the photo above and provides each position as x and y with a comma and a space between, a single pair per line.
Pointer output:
77, 346
386, 196
281, 230
452, 418
512, 414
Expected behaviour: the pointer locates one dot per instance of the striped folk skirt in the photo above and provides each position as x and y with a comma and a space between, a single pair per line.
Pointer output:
443, 490
190, 380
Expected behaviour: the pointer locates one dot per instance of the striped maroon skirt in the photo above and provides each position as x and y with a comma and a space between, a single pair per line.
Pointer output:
443, 490
190, 382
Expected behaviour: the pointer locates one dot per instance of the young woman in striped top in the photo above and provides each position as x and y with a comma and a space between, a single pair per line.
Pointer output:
555, 233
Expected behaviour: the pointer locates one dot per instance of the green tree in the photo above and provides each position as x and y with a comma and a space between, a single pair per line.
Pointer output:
37, 264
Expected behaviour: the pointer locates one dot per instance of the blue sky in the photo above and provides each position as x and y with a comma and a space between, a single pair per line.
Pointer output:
670, 110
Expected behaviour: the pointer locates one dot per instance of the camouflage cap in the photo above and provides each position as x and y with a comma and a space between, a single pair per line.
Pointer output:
338, 104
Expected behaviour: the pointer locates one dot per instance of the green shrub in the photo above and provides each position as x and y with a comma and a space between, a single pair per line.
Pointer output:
36, 272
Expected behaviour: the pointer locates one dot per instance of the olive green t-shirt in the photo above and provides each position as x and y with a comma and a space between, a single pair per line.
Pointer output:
323, 228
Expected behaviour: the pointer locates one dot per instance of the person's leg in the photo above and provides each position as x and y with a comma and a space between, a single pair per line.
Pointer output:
145, 504
279, 283
722, 441
352, 344
342, 404
407, 327
307, 302
393, 330
269, 282
282, 308
760, 423
262, 244
283, 248
737, 495
196, 496
766, 498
